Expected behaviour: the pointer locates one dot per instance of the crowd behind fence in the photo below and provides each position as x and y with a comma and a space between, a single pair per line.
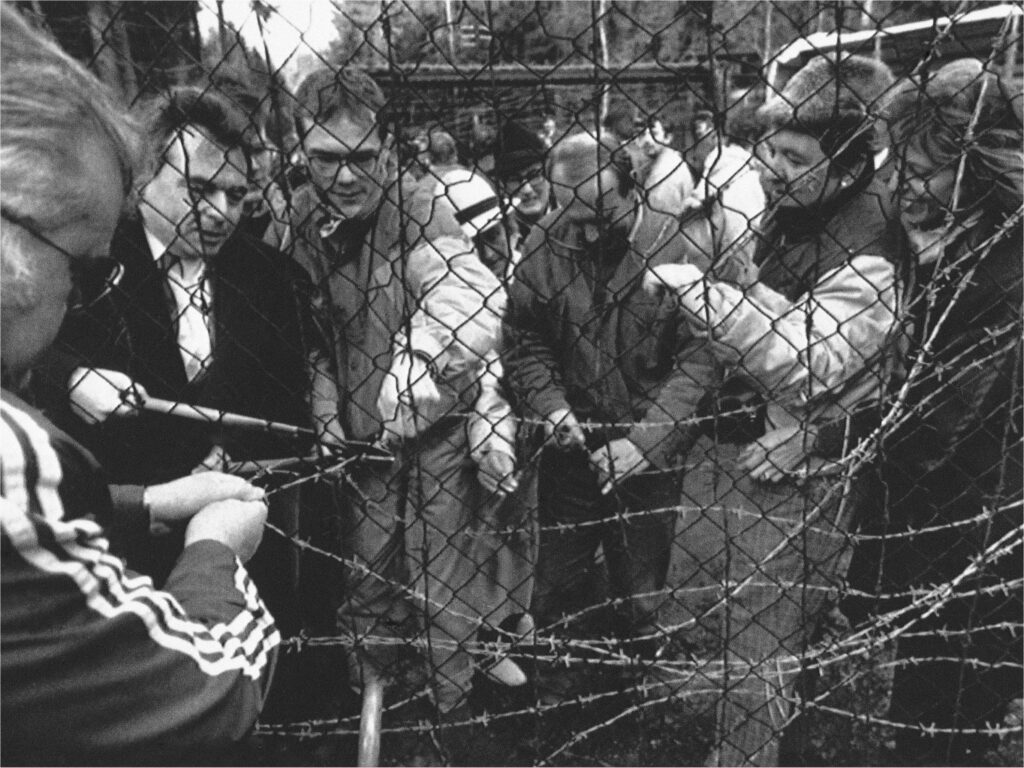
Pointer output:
632, 383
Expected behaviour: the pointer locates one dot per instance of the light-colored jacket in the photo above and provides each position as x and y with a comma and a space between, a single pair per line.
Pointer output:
813, 357
669, 182
813, 334
435, 299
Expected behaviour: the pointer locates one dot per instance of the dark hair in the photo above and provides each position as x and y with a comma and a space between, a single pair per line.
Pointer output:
183, 106
620, 120
327, 93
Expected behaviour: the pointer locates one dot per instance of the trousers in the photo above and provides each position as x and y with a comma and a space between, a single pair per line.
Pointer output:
756, 564
632, 526
423, 564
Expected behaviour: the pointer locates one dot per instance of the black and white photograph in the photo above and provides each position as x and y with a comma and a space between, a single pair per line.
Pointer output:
512, 383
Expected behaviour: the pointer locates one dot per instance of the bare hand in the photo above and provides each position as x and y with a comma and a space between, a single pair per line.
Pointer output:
562, 429
180, 499
236, 524
96, 394
777, 453
616, 461
496, 472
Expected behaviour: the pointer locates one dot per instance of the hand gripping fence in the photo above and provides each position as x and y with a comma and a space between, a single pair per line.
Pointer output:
632, 382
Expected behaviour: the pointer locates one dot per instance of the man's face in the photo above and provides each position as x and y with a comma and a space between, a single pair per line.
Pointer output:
27, 328
195, 201
925, 189
348, 163
531, 191
797, 170
591, 200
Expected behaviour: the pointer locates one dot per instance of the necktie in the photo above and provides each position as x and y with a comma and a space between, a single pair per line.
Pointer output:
191, 298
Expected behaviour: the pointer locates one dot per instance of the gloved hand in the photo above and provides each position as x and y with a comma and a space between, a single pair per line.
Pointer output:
99, 393
496, 472
616, 461
562, 429
408, 398
685, 280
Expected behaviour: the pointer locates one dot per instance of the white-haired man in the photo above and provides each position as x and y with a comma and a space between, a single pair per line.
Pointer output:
97, 665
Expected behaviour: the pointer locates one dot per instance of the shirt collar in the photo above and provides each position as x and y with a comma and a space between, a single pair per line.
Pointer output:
188, 272
156, 246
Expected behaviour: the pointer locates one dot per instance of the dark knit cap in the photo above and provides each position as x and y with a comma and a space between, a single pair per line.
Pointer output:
518, 148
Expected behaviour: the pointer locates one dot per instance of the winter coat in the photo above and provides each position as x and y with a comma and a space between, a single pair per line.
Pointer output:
812, 334
582, 333
377, 295
99, 666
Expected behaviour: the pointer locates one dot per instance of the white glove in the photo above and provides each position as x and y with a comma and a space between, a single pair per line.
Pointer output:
98, 393
409, 398
679, 278
685, 280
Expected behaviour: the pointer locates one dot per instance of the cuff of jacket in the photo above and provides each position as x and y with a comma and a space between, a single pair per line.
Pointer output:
204, 581
547, 401
130, 515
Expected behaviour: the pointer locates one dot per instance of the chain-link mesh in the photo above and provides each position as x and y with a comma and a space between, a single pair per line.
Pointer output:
633, 382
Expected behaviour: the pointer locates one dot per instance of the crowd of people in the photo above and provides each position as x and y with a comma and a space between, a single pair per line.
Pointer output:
587, 351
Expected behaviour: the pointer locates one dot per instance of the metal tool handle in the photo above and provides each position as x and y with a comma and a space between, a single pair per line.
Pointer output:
224, 418
370, 719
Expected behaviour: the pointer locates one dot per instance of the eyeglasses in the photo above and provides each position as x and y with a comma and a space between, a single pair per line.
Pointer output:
92, 278
330, 163
530, 175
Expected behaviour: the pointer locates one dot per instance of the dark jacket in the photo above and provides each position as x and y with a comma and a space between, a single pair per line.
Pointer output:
259, 338
966, 406
582, 333
97, 665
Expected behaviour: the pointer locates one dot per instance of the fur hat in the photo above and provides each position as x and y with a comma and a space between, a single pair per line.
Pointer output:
518, 149
831, 94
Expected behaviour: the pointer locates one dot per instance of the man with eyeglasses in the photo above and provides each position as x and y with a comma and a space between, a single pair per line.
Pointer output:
410, 380
202, 316
98, 666
519, 172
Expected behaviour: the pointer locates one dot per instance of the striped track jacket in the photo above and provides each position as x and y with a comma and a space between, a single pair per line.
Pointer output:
98, 665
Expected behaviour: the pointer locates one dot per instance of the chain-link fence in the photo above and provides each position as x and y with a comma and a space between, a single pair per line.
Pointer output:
634, 383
